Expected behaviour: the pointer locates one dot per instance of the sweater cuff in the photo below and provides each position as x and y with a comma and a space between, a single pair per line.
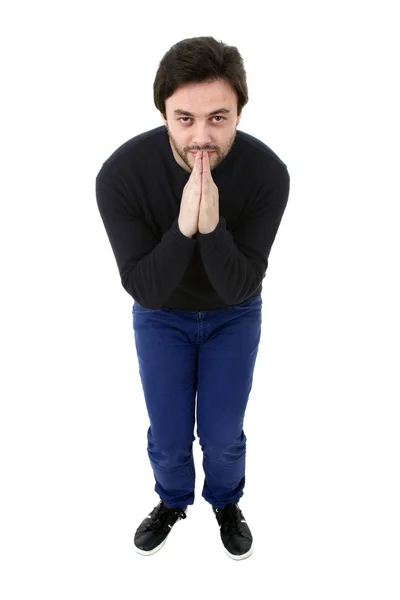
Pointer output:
216, 237
179, 238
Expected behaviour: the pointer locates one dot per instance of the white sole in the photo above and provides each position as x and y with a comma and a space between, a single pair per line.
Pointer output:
242, 556
149, 552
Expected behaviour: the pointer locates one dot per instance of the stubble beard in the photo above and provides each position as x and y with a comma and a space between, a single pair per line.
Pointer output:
218, 157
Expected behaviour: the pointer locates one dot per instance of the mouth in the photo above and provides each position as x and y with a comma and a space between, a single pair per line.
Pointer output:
208, 151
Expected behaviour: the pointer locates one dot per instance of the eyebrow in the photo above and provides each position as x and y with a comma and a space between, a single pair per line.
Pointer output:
179, 111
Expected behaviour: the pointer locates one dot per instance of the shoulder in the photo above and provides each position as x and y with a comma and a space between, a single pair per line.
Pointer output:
131, 155
258, 159
257, 148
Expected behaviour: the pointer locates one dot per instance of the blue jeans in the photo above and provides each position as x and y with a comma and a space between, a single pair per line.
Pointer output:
211, 353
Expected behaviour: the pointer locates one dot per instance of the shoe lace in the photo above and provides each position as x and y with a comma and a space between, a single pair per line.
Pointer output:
230, 519
163, 515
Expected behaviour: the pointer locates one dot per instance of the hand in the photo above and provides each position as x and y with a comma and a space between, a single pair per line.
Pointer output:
209, 201
190, 202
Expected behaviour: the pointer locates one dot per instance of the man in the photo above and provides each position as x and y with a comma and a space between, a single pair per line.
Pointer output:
191, 211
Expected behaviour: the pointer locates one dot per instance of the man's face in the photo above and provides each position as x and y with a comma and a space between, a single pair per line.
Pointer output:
200, 130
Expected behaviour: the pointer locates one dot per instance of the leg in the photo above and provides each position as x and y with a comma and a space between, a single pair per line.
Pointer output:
225, 374
167, 366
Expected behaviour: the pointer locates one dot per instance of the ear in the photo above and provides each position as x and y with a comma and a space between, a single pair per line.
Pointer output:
163, 119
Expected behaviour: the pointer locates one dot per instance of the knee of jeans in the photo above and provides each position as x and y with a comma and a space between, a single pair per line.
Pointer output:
171, 454
223, 446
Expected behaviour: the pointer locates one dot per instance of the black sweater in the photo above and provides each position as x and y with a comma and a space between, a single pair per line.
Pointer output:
139, 190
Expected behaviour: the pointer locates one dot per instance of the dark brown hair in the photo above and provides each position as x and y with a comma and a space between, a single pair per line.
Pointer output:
196, 60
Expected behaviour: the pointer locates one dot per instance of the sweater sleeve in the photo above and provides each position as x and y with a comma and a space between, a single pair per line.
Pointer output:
150, 269
236, 262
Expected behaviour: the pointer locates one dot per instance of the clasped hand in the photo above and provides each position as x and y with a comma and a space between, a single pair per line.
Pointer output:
209, 201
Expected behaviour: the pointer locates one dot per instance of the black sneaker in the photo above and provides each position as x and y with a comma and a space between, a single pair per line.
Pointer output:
235, 533
152, 533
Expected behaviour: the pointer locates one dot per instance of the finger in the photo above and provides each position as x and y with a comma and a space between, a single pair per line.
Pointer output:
206, 166
198, 167
196, 171
200, 164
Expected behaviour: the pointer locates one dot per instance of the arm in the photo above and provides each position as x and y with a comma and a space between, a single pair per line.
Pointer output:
150, 269
236, 262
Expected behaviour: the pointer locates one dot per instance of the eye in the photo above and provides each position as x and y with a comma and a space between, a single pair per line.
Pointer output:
215, 117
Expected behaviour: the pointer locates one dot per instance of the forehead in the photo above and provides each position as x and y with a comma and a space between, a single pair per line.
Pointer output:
202, 97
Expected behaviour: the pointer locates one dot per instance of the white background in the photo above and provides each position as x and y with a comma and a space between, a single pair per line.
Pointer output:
322, 495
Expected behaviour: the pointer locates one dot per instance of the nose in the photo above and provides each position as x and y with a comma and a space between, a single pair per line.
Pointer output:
201, 138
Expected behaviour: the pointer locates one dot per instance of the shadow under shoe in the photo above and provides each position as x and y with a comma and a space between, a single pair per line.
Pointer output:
153, 531
235, 533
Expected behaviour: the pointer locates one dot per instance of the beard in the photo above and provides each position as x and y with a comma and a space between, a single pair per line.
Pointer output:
215, 159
